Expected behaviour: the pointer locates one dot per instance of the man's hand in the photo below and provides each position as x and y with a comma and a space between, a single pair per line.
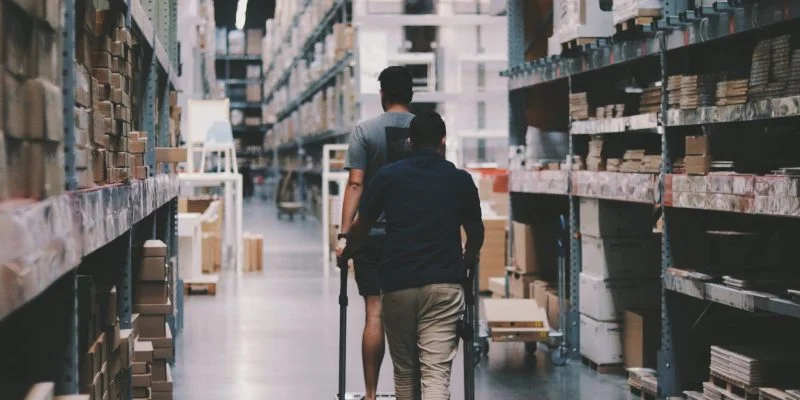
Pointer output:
340, 246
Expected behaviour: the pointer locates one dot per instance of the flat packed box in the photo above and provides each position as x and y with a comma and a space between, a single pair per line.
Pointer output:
607, 300
621, 257
600, 218
152, 269
519, 285
641, 338
601, 341
539, 289
171, 154
697, 146
151, 326
150, 292
534, 249
154, 248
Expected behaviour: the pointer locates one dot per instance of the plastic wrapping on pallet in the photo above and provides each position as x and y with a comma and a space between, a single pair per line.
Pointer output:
552, 182
40, 243
627, 9
615, 185
777, 205
713, 201
777, 185
575, 19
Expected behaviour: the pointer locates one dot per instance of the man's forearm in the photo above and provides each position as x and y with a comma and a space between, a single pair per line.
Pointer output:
352, 197
474, 242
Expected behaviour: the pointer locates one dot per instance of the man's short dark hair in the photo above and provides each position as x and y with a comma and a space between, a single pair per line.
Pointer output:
396, 85
427, 129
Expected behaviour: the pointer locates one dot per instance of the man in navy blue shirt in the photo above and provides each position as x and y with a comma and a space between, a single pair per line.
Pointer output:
426, 201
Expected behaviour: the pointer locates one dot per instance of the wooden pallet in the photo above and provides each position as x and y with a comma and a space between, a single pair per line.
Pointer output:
577, 43
617, 369
634, 23
205, 285
732, 386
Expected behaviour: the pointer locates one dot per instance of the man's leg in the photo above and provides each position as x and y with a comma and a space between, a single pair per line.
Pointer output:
441, 307
400, 308
373, 344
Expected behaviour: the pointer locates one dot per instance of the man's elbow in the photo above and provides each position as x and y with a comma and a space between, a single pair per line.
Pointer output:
355, 185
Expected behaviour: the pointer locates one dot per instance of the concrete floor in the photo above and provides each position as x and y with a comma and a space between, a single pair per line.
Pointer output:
274, 335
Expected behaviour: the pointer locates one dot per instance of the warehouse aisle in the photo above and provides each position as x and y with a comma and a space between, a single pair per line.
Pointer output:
273, 335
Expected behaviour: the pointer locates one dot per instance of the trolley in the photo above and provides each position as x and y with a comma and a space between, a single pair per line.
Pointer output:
553, 339
467, 331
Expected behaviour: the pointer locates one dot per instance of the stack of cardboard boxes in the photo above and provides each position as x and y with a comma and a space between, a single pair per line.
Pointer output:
698, 155
175, 112
31, 149
105, 350
253, 252
621, 269
153, 304
104, 71
493, 252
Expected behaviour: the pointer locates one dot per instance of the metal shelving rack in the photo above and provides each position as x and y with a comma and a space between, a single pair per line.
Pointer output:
681, 29
46, 243
308, 144
248, 135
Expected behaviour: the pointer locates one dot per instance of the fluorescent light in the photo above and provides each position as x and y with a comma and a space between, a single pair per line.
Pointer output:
241, 13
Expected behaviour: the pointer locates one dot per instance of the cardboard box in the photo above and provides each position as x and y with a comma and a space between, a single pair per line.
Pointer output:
171, 154
621, 258
142, 380
142, 351
45, 164
141, 393
150, 293
14, 107
140, 367
601, 218
44, 110
151, 326
152, 269
48, 54
41, 391
601, 341
539, 289
162, 354
154, 309
534, 249
162, 385
553, 309
697, 165
154, 248
697, 146
519, 285
253, 93
161, 396
641, 338
607, 300
18, 42
73, 397
254, 37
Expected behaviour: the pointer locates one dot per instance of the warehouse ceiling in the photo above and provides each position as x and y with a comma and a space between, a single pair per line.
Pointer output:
258, 11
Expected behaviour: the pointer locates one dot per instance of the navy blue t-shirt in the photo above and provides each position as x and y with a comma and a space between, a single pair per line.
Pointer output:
426, 200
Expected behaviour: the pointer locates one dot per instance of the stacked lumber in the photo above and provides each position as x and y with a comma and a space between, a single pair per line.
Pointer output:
769, 69
613, 164
732, 92
742, 370
697, 91
650, 101
643, 380
579, 106
632, 161
793, 88
594, 160
674, 91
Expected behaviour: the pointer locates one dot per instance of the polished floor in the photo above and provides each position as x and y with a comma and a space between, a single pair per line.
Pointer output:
274, 335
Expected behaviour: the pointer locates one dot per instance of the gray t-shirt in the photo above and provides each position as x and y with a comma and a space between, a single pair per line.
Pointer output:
376, 142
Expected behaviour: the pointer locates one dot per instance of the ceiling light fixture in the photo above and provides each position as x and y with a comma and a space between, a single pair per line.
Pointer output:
241, 14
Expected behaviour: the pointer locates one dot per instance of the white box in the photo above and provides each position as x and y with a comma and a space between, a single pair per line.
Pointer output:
600, 218
621, 258
601, 341
606, 300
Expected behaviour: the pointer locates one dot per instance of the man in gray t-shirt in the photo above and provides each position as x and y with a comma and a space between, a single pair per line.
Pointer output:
374, 143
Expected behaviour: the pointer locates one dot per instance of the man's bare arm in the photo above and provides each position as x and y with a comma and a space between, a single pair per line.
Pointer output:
352, 198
